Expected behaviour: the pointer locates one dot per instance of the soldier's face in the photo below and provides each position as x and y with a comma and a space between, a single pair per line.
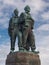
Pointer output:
27, 10
16, 13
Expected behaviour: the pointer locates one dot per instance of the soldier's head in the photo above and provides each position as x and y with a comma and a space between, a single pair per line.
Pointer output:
27, 9
16, 12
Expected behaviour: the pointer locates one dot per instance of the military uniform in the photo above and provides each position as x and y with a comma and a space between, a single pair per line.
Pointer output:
28, 36
28, 39
13, 31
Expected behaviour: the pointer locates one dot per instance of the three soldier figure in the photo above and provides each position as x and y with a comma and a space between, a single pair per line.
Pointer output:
22, 27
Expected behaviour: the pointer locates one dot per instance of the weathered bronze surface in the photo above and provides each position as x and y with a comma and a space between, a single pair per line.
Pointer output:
14, 30
22, 27
27, 33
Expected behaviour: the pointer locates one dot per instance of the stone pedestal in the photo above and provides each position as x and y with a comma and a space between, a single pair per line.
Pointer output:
23, 58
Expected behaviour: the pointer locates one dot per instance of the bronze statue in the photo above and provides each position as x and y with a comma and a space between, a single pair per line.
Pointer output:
13, 31
27, 26
22, 27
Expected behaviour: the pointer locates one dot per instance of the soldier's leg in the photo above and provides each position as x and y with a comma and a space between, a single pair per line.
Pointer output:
24, 36
27, 43
32, 41
20, 40
13, 38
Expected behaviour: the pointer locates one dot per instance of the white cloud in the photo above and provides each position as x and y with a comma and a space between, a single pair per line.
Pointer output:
44, 27
44, 55
44, 50
37, 5
45, 15
4, 22
45, 41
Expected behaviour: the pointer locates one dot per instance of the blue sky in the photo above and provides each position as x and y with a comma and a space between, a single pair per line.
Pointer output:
40, 14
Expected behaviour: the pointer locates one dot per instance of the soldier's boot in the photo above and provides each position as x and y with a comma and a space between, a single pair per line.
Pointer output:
12, 46
27, 47
34, 51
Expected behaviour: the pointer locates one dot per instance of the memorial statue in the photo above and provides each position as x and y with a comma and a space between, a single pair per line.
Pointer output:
13, 31
22, 27
27, 26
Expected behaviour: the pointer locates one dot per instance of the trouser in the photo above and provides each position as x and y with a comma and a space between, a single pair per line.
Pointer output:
20, 39
13, 39
31, 41
28, 39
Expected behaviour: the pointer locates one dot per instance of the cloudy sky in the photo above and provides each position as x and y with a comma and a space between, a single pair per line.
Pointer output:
40, 14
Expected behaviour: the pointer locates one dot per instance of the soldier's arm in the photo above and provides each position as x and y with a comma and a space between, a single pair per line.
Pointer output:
32, 27
9, 27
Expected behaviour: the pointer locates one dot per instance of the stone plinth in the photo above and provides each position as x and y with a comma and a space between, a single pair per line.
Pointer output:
23, 58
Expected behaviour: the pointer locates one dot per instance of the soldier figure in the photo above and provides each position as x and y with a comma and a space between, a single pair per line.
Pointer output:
27, 34
13, 31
